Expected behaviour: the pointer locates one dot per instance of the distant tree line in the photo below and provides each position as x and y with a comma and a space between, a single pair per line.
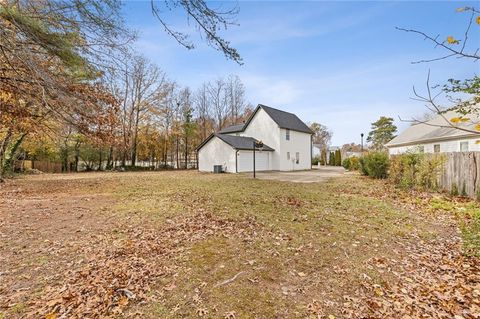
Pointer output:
73, 90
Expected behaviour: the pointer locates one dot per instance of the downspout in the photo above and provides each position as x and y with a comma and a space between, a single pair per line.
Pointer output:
236, 161
311, 150
198, 168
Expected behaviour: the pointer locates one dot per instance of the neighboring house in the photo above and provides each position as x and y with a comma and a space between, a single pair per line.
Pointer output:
349, 154
287, 144
436, 136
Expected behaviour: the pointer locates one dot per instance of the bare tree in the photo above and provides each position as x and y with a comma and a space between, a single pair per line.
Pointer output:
217, 96
208, 21
321, 135
464, 109
235, 92
449, 44
202, 107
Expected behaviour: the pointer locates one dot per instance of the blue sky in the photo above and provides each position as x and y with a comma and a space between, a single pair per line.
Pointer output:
342, 64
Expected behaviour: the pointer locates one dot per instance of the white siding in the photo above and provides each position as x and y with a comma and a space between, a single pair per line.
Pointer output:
216, 152
445, 147
299, 142
245, 161
263, 128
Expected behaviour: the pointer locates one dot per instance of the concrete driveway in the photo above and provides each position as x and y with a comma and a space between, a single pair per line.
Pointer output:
315, 175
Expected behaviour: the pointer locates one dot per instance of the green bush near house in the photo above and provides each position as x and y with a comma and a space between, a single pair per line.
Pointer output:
354, 164
351, 163
362, 166
375, 165
316, 160
416, 170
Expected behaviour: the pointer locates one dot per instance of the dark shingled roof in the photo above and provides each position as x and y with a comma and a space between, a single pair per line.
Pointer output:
241, 142
232, 129
283, 119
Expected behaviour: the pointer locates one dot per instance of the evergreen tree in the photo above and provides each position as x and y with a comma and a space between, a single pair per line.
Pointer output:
338, 158
383, 131
331, 159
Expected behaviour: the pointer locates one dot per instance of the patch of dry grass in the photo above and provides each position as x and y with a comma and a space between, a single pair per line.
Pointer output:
294, 250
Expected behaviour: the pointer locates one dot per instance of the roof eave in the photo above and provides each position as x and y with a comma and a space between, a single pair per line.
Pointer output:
432, 140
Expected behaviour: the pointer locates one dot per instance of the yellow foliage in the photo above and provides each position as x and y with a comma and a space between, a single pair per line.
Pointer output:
464, 119
51, 316
461, 9
477, 142
477, 127
455, 120
452, 40
478, 20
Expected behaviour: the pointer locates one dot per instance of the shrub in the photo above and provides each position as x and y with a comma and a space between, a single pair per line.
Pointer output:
375, 165
354, 164
429, 170
412, 170
316, 160
454, 191
351, 163
363, 166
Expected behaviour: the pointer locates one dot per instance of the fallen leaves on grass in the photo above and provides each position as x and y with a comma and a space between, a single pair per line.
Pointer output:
119, 274
434, 280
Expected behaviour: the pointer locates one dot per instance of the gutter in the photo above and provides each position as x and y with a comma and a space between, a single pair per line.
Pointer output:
433, 140
236, 161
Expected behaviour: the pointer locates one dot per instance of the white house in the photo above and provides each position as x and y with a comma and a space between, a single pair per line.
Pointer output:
287, 144
438, 135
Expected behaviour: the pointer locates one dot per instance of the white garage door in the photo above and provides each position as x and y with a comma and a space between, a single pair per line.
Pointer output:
245, 161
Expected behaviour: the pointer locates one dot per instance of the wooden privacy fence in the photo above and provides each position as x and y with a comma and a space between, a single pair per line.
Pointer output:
461, 171
44, 166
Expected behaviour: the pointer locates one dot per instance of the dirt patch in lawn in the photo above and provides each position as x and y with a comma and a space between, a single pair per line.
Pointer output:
187, 245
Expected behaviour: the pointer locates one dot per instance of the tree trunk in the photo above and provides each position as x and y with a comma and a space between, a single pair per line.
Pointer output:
3, 148
100, 160
64, 156
186, 152
9, 155
110, 158
177, 153
77, 155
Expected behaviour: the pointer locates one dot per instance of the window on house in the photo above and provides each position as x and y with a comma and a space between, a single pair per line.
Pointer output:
463, 146
421, 149
288, 156
287, 134
436, 148
297, 157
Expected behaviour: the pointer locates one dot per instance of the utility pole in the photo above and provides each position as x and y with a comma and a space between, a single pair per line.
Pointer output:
361, 135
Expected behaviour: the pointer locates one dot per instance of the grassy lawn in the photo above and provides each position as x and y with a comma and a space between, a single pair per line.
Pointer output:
189, 245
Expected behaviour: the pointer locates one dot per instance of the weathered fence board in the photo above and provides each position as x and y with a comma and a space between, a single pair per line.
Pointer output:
461, 171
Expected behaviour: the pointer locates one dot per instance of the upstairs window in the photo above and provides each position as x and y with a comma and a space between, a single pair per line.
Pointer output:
288, 156
287, 134
436, 148
297, 157
463, 146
